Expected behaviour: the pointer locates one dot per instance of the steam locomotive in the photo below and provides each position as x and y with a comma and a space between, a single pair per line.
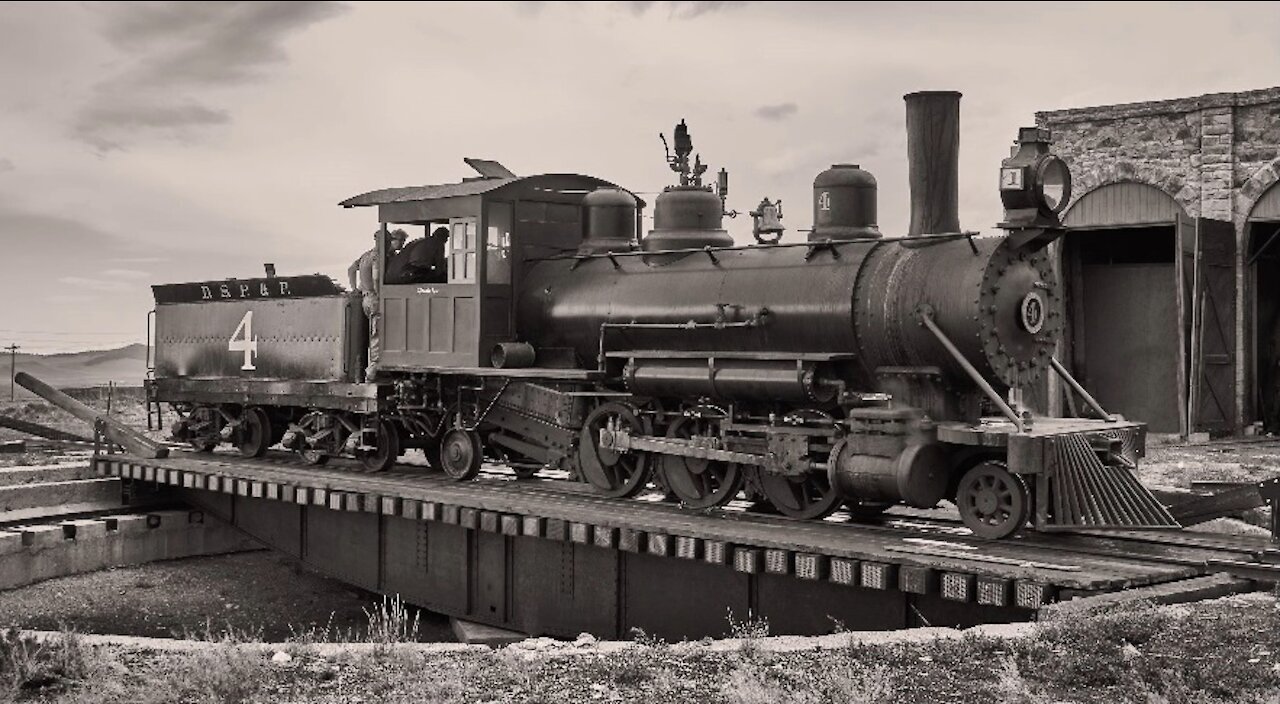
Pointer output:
850, 370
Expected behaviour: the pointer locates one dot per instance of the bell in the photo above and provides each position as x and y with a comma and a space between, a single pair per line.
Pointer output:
766, 219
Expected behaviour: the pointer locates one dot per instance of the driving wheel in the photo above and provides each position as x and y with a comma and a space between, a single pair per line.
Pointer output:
616, 474
807, 496
697, 482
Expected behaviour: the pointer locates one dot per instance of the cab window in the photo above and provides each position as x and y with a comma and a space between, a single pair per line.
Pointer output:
462, 250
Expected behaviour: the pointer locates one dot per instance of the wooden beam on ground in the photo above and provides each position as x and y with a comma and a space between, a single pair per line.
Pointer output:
1223, 503
38, 430
1179, 592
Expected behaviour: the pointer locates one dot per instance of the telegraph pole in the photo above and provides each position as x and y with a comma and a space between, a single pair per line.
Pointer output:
13, 365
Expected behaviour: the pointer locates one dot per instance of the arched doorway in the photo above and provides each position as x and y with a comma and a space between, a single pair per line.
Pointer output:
1120, 263
1262, 264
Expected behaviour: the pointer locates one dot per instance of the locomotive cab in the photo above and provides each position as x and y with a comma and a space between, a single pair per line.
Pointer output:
497, 223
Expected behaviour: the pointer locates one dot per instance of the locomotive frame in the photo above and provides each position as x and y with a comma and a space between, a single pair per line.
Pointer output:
630, 386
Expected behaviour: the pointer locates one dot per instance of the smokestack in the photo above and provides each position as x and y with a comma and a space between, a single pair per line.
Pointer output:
933, 150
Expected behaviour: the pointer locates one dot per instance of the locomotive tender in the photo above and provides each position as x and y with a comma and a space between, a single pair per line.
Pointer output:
849, 370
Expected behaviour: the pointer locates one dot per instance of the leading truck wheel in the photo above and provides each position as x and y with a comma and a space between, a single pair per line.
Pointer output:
616, 474
994, 503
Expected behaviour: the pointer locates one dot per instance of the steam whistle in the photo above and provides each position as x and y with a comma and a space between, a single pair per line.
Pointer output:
689, 176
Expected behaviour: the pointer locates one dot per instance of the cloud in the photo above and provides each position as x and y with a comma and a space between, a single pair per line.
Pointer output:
776, 113
6, 164
685, 9
125, 274
176, 56
137, 260
105, 285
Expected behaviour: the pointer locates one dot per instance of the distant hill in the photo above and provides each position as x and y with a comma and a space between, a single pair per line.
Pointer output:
126, 366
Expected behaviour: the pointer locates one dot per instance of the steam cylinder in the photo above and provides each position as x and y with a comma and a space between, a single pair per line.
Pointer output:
844, 204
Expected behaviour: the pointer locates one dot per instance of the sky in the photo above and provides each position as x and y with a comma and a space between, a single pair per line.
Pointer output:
145, 143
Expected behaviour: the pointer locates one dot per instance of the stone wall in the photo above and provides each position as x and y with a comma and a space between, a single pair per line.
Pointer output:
1214, 154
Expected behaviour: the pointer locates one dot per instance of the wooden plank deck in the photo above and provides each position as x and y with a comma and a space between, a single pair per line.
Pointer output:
1075, 563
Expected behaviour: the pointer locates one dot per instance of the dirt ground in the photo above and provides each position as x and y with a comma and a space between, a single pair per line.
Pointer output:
259, 594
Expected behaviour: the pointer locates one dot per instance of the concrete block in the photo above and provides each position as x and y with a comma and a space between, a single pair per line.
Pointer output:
10, 542
128, 524
473, 633
42, 536
85, 529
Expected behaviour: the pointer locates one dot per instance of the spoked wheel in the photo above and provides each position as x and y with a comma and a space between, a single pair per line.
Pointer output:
616, 474
460, 454
805, 496
386, 447
993, 502
864, 510
255, 433
700, 483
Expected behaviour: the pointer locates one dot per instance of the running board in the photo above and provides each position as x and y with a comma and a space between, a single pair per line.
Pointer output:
1076, 490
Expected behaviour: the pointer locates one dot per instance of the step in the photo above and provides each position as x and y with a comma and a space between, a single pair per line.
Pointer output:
43, 499
70, 471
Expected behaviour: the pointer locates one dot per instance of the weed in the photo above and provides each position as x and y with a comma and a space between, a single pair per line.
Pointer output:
28, 664
1011, 687
392, 622
230, 635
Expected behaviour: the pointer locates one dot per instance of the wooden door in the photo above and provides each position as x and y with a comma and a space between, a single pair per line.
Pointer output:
1213, 389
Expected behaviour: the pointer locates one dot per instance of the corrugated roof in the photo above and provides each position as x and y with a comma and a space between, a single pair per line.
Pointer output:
561, 183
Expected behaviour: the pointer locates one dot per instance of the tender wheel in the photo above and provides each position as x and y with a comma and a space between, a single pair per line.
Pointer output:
993, 502
807, 496
314, 457
207, 423
255, 433
616, 474
863, 510
460, 453
329, 434
699, 483
387, 443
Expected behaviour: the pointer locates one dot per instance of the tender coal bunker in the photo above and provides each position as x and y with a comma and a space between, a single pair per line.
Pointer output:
1129, 245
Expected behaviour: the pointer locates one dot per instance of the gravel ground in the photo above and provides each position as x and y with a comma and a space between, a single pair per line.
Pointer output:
1247, 460
260, 595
